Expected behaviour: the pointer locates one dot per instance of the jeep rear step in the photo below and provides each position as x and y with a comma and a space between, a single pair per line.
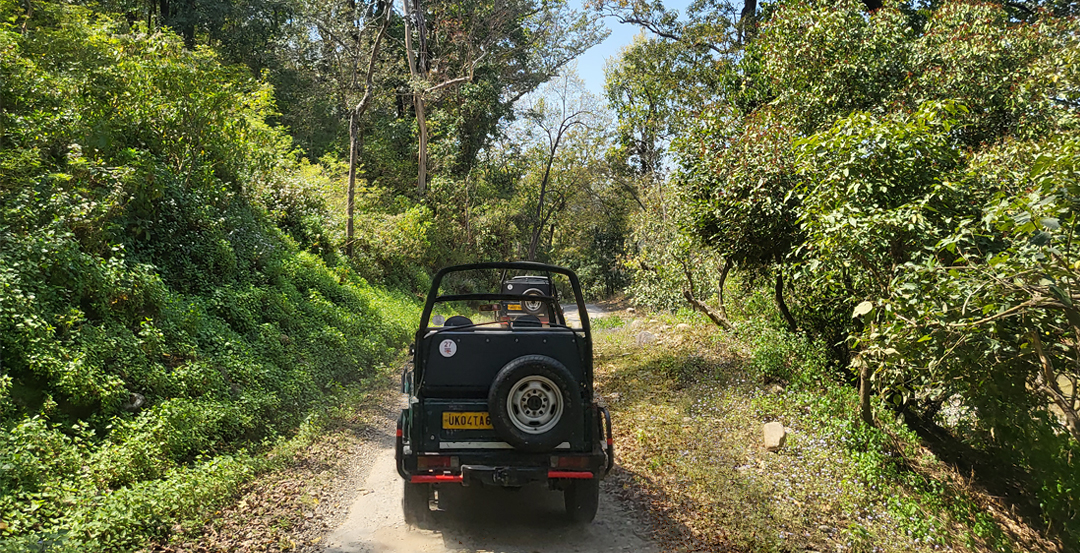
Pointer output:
501, 476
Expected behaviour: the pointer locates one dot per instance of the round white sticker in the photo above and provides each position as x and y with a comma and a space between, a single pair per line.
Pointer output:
509, 286
438, 320
448, 348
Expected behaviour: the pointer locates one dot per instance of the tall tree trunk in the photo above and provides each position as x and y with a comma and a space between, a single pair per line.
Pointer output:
534, 240
354, 150
865, 413
418, 70
468, 213
356, 136
746, 19
780, 303
720, 287
421, 157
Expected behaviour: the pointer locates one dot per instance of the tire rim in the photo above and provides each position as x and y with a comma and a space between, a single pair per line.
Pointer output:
535, 404
533, 306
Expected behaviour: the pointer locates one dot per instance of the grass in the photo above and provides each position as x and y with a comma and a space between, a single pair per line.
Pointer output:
280, 509
264, 493
688, 412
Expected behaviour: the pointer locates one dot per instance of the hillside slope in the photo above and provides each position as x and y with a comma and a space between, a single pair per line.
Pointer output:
169, 303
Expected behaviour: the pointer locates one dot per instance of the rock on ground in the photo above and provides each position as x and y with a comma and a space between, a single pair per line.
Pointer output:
645, 338
775, 435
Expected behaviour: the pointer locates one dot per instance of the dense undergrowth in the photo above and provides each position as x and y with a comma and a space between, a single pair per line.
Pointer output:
689, 410
170, 307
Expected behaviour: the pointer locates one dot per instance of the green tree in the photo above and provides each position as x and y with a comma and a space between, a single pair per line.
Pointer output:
344, 31
521, 43
560, 113
909, 167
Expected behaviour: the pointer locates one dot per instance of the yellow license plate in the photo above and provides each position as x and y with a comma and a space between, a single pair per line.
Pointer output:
513, 307
466, 421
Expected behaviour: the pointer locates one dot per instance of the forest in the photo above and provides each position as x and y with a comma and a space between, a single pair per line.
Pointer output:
216, 216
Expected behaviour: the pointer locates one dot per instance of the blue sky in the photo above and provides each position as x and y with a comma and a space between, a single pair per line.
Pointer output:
590, 65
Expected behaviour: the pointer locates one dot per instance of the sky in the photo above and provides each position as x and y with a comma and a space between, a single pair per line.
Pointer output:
590, 65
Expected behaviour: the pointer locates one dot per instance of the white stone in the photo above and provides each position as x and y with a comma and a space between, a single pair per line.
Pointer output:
775, 435
645, 338
631, 310
682, 326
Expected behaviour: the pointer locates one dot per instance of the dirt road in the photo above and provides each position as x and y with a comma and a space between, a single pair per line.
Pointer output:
529, 520
571, 312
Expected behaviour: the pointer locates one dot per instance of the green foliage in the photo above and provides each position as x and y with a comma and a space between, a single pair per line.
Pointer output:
607, 322
741, 210
653, 87
664, 261
697, 405
920, 164
989, 317
780, 355
169, 300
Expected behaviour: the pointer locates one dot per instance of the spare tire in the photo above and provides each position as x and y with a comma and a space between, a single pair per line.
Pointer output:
533, 403
533, 307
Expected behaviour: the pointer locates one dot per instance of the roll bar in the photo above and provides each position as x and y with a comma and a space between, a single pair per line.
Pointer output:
433, 294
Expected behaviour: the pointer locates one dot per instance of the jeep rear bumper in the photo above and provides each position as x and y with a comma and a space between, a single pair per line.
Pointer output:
507, 468
510, 477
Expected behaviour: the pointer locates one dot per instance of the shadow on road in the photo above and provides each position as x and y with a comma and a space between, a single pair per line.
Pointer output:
481, 519
528, 519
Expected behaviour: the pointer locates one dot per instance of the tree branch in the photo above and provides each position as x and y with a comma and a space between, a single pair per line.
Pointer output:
716, 318
1047, 384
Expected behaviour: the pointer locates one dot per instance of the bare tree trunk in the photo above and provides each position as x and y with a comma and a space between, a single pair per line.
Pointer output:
421, 158
716, 318
865, 413
534, 240
689, 276
1047, 383
746, 19
417, 70
720, 288
349, 205
356, 135
468, 213
780, 303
